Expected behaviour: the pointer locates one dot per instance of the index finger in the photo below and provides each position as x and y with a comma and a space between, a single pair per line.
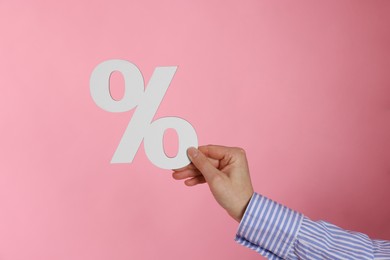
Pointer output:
191, 166
217, 152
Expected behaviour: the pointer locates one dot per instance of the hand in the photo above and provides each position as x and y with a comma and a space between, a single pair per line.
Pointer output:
225, 169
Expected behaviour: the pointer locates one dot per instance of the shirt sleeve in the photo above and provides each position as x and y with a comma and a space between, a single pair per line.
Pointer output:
277, 232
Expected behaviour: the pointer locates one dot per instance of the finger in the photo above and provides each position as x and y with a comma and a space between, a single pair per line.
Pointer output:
192, 166
195, 181
202, 163
217, 152
185, 174
214, 162
188, 167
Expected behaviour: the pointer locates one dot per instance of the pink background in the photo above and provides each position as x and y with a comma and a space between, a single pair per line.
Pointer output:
303, 86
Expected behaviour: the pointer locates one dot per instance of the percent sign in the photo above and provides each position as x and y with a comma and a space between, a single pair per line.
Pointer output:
141, 127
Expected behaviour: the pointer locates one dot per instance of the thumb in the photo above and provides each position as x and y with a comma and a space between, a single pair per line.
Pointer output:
202, 163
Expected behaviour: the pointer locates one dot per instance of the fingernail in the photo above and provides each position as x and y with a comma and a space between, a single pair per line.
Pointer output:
192, 152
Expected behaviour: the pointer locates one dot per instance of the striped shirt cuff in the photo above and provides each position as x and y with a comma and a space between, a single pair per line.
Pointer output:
268, 227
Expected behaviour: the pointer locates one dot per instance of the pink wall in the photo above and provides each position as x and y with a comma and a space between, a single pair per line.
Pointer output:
304, 87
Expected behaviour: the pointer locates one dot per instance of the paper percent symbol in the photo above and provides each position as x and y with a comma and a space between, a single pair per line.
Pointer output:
146, 101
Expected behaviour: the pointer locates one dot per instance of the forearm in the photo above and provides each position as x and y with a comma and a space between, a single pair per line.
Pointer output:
277, 232
321, 239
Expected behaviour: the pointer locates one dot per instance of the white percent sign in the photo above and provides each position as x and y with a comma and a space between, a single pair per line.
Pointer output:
147, 102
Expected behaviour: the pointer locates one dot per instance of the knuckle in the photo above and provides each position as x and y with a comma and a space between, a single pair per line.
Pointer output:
239, 150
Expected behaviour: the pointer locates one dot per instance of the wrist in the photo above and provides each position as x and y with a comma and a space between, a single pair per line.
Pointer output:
242, 208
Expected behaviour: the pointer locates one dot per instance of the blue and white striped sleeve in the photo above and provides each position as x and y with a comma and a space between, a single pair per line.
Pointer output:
277, 232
